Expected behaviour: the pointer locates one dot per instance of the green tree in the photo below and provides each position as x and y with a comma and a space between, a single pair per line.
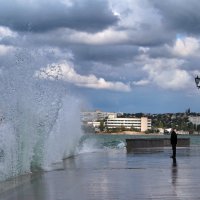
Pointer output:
102, 126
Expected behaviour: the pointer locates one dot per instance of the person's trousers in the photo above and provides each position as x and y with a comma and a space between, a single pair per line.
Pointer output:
174, 151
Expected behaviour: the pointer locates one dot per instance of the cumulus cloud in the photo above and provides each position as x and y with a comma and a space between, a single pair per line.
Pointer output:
143, 49
187, 46
108, 36
141, 82
6, 32
66, 72
167, 74
5, 49
141, 21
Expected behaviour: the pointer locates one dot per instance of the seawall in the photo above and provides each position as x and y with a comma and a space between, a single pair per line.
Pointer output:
136, 143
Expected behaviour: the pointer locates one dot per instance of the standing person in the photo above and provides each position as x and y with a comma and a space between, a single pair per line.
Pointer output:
173, 140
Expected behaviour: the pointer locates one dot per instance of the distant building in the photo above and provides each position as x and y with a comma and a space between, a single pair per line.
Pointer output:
167, 130
141, 124
187, 111
94, 124
95, 116
161, 130
194, 119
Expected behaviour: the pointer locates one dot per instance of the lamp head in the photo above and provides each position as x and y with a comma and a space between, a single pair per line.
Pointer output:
197, 81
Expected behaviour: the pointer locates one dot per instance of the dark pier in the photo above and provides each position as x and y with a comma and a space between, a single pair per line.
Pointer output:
134, 144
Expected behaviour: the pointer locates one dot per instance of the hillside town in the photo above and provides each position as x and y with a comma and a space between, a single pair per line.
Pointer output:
131, 123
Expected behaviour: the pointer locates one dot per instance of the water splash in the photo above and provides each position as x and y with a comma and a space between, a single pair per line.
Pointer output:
89, 145
40, 120
95, 143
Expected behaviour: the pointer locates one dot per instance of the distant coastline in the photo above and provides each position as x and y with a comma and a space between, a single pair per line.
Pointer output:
127, 133
143, 133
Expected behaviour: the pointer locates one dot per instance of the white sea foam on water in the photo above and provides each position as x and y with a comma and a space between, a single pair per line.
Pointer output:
121, 145
88, 146
94, 143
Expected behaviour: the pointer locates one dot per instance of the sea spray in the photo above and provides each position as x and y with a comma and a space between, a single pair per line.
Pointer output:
40, 121
89, 144
8, 161
98, 142
55, 146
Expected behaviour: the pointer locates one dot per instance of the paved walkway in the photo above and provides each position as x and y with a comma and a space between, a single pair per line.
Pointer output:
113, 175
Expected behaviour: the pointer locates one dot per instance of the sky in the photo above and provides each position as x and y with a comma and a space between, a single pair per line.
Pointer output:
116, 56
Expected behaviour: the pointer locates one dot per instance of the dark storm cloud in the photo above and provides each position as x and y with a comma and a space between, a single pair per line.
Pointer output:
181, 15
191, 64
160, 52
109, 54
39, 16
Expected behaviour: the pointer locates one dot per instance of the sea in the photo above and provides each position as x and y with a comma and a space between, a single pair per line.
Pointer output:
118, 141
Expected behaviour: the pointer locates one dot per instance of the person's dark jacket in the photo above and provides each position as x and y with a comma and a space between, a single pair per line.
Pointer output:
173, 138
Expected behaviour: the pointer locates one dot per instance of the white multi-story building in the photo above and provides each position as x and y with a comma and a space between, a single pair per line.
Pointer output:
141, 124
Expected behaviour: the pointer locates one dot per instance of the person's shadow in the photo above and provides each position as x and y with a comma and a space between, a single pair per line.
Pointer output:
174, 172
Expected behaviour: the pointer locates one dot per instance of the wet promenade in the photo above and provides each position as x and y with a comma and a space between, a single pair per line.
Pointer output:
114, 174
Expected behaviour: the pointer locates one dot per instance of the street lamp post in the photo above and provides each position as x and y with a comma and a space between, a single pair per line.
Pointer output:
197, 81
